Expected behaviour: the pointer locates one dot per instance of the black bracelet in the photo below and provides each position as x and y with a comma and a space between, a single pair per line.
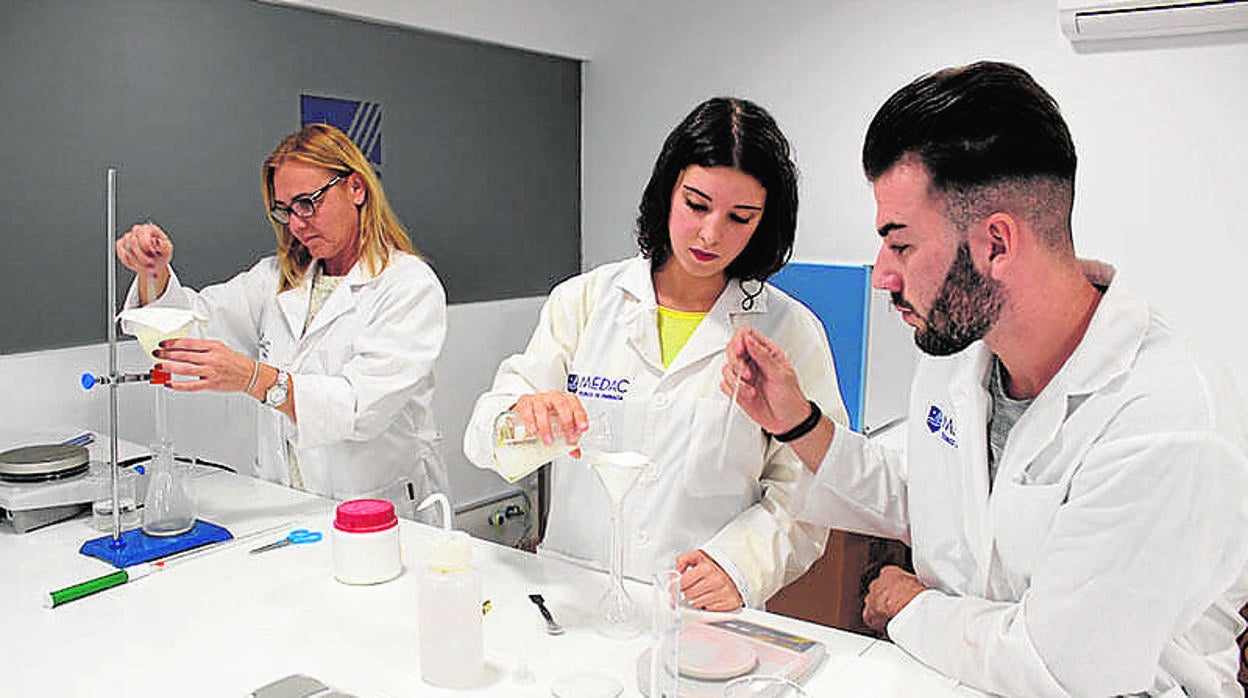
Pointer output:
802, 429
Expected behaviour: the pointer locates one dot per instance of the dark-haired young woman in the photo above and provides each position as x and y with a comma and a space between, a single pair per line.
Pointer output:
642, 341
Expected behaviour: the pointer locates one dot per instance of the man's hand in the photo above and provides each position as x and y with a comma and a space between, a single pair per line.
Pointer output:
765, 383
888, 594
705, 584
766, 388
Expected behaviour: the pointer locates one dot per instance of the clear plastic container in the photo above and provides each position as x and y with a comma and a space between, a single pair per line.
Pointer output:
365, 540
452, 650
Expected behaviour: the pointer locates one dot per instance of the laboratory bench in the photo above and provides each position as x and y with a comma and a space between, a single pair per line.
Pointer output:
225, 623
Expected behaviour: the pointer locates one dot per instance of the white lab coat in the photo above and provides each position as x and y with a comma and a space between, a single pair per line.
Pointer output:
362, 374
1109, 557
598, 334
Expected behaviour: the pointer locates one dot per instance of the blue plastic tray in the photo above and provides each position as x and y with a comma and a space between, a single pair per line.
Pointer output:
136, 546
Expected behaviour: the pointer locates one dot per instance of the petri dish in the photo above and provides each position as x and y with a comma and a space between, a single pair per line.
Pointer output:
586, 684
712, 656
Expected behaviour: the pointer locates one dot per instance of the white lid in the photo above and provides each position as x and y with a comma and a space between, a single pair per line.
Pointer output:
449, 551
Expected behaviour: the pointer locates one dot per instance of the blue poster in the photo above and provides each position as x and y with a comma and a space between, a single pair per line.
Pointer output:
361, 121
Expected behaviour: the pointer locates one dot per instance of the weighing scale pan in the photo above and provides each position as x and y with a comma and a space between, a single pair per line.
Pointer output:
42, 463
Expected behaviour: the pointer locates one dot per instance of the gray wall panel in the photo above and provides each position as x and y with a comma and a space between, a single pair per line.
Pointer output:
481, 146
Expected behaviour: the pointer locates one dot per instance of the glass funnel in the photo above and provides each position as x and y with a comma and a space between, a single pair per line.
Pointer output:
617, 470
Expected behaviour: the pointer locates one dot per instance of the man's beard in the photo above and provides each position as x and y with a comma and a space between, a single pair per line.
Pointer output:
967, 306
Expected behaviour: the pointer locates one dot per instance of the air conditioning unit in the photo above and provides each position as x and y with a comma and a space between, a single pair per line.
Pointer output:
1099, 20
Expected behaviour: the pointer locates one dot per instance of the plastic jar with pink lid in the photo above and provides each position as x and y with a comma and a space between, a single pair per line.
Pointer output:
366, 542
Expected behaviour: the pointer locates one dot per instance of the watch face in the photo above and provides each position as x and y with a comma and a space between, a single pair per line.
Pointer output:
276, 394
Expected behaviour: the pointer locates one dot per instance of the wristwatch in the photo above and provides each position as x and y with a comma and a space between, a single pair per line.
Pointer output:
279, 391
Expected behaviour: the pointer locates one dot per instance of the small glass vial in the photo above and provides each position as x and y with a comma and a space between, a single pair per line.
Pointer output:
366, 545
452, 649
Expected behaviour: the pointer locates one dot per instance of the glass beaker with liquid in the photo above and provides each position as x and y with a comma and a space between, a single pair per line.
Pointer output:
127, 502
517, 452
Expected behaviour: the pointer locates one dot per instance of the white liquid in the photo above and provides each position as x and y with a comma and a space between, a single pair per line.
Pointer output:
515, 458
618, 471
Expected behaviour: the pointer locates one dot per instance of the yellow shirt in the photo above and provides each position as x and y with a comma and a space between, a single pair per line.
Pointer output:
675, 328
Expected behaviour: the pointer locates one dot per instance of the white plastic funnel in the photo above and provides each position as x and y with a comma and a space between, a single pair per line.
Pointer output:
153, 325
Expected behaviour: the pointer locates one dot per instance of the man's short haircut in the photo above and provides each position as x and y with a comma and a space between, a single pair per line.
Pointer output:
988, 136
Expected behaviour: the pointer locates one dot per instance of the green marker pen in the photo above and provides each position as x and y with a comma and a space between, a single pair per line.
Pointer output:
93, 586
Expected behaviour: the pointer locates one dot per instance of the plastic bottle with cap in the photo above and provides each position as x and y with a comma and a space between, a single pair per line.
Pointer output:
365, 540
452, 649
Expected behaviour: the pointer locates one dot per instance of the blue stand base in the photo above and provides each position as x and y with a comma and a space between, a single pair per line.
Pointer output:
136, 546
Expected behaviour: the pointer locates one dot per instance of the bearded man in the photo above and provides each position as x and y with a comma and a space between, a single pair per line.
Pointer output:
1075, 479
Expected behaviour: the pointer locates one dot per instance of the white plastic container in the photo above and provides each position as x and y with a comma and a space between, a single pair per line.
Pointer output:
452, 650
366, 542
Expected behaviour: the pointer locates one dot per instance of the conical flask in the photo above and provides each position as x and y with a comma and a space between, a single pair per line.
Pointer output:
168, 508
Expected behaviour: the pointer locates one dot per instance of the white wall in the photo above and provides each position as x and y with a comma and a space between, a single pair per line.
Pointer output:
1160, 130
1159, 127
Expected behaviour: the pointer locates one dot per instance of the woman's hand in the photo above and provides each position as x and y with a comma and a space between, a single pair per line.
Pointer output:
888, 594
217, 366
537, 409
147, 251
705, 584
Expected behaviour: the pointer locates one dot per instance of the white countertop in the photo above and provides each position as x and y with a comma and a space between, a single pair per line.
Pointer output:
227, 623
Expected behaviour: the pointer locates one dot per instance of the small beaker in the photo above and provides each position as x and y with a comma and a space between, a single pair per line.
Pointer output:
518, 452
168, 509
665, 624
127, 502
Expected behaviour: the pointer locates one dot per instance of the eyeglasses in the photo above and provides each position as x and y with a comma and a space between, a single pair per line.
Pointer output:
303, 205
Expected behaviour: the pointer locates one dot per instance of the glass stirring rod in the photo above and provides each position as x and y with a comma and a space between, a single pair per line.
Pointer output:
723, 443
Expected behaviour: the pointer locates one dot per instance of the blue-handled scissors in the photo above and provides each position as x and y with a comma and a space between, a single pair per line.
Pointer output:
296, 537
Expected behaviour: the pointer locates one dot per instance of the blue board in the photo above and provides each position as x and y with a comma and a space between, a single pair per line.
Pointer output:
838, 295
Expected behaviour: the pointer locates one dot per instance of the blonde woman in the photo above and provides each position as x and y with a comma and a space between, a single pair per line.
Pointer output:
336, 334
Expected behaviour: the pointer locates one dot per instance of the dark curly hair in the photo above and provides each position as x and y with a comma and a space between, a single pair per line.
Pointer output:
726, 132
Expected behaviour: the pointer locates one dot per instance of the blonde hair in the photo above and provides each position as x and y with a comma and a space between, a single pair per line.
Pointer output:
380, 231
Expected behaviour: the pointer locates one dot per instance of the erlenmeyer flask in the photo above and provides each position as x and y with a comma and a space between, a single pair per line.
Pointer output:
168, 509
